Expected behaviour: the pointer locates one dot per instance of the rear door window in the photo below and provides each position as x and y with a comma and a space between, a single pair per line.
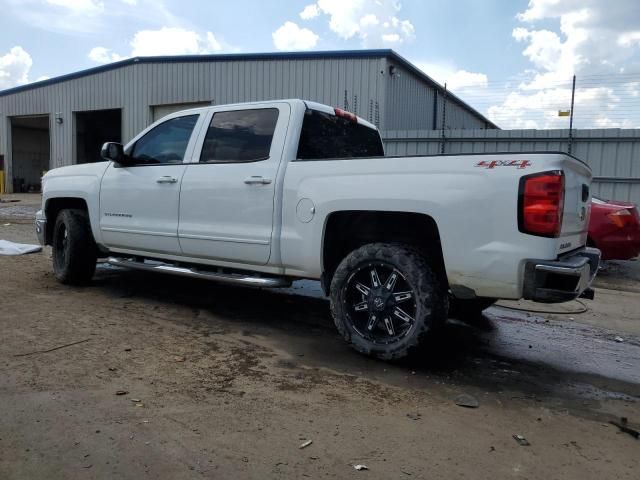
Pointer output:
239, 136
329, 136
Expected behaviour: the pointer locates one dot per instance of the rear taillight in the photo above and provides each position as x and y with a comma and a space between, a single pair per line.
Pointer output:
622, 218
540, 205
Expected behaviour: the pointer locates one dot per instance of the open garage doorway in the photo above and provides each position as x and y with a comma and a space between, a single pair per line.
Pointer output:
94, 128
30, 152
159, 111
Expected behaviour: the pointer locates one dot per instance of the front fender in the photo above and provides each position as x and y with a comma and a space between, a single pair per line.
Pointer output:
81, 182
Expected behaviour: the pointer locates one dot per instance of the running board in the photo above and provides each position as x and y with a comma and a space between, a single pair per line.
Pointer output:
231, 278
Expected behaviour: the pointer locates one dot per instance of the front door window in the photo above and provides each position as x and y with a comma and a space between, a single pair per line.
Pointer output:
166, 143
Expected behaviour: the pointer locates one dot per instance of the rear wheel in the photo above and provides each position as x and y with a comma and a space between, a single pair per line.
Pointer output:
74, 250
385, 299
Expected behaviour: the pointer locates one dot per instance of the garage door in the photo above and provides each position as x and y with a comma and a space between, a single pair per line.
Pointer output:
159, 111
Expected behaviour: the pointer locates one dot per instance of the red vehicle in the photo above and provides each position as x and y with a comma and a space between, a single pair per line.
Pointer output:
614, 228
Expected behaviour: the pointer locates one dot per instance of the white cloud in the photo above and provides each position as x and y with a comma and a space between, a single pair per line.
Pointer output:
176, 41
462, 79
628, 39
14, 68
544, 49
539, 10
456, 79
165, 41
374, 23
369, 20
632, 89
104, 55
292, 37
391, 38
213, 45
595, 37
309, 12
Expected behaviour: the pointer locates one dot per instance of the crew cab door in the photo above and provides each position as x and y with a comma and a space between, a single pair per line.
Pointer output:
227, 198
139, 202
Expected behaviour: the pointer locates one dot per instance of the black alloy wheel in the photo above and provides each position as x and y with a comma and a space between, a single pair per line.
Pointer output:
380, 303
386, 298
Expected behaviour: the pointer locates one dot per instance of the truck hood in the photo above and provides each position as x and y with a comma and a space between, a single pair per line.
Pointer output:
86, 169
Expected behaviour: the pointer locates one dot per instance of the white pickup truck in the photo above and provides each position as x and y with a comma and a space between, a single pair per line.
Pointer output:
261, 194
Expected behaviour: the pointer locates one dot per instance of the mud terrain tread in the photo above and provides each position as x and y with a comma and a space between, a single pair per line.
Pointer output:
432, 297
81, 264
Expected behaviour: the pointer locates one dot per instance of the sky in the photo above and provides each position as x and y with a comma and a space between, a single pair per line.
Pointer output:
511, 59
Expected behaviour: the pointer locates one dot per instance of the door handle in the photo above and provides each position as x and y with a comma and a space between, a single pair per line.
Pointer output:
257, 180
167, 179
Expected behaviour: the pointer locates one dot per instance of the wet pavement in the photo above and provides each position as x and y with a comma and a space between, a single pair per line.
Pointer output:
581, 358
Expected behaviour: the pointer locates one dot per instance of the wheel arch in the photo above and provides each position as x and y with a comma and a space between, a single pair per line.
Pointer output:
347, 230
52, 208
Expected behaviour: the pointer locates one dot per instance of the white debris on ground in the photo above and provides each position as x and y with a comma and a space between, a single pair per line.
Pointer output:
11, 248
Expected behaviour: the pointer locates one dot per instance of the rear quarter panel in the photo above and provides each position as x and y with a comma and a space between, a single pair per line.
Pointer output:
474, 207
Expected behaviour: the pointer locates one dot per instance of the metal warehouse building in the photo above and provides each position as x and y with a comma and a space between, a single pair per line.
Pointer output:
65, 120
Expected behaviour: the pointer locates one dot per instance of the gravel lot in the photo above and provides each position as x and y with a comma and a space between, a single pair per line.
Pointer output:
226, 382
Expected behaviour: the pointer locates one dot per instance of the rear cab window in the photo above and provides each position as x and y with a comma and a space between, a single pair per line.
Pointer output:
330, 136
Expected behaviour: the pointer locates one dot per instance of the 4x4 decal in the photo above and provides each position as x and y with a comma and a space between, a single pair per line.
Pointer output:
520, 164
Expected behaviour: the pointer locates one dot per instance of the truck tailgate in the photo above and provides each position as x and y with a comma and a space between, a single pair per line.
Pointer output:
577, 205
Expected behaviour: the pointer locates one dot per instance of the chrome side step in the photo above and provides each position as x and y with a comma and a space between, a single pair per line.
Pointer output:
231, 278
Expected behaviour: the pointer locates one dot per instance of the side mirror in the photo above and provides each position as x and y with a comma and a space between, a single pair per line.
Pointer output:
114, 152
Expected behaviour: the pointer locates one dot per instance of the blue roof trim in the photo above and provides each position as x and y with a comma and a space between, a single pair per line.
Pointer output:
375, 53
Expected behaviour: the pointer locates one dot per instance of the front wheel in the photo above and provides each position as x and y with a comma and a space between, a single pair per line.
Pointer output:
74, 250
385, 299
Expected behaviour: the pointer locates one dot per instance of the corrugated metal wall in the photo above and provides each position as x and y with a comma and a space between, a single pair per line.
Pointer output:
410, 104
457, 116
135, 88
612, 154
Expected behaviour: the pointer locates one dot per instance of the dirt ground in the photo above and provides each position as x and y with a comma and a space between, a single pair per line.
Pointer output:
227, 382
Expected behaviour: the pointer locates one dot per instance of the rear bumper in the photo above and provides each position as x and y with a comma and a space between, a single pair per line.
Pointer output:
560, 280
41, 227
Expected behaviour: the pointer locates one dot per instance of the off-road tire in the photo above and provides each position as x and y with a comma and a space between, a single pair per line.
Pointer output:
431, 298
74, 254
